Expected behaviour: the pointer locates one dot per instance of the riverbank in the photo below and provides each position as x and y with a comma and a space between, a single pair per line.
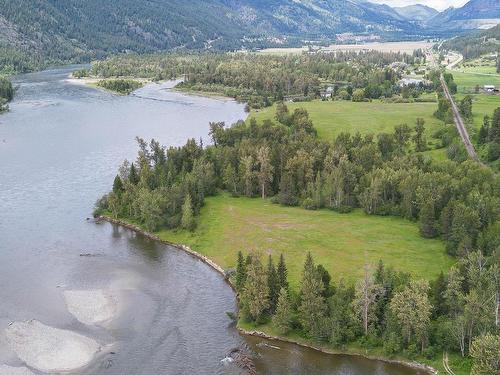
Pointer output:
257, 333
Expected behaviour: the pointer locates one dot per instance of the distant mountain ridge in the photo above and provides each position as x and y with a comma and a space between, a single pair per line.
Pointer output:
476, 14
81, 30
417, 12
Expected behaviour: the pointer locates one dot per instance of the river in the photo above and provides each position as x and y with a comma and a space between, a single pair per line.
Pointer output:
60, 147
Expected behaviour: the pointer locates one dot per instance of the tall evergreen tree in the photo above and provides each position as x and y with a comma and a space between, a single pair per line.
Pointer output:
241, 272
419, 137
427, 225
133, 175
483, 135
272, 284
312, 307
118, 186
282, 319
282, 273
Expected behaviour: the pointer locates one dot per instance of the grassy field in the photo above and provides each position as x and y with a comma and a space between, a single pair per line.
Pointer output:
483, 104
343, 243
334, 117
467, 81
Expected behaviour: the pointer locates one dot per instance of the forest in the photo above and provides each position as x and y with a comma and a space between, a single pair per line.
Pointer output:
6, 93
476, 44
260, 80
285, 162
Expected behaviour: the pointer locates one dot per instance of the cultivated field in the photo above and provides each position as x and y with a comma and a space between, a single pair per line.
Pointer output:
333, 117
407, 47
341, 242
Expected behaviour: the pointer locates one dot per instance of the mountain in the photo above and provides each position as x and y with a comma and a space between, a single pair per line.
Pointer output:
417, 12
80, 30
476, 14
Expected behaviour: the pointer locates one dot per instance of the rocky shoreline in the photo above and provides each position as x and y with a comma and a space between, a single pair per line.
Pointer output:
219, 269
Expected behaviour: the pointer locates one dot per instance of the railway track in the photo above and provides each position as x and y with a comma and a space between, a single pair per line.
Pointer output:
459, 123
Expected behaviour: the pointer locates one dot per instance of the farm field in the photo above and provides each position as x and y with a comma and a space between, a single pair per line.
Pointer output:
467, 81
343, 243
333, 117
403, 47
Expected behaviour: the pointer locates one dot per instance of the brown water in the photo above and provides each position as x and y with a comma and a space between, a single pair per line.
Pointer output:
60, 147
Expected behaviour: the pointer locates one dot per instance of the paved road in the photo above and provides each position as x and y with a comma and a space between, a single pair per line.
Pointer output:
462, 130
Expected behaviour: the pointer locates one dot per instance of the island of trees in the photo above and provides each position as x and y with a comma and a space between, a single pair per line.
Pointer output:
120, 86
287, 163
6, 93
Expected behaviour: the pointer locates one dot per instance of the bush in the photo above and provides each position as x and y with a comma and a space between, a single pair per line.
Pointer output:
308, 204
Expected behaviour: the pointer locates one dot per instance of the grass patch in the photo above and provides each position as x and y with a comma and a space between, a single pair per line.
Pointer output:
341, 242
333, 117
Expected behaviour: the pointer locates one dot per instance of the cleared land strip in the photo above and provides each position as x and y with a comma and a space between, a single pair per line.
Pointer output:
462, 130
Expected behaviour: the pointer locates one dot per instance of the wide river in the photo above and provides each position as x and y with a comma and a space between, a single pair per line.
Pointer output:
60, 147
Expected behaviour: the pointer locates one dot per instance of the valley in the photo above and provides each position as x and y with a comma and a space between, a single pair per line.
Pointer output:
249, 187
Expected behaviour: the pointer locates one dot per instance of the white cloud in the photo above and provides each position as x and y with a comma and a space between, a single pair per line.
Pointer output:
436, 4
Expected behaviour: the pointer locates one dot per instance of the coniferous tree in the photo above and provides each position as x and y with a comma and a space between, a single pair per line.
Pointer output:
438, 300
419, 137
133, 176
282, 273
282, 319
241, 272
325, 279
272, 284
118, 186
483, 135
428, 227
312, 307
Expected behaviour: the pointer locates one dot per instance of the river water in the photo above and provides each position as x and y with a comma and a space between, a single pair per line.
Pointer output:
60, 147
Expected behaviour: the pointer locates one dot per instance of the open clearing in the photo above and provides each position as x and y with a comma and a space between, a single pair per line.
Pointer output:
407, 47
343, 243
333, 117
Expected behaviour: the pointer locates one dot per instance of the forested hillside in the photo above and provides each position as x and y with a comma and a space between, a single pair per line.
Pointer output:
475, 44
46, 31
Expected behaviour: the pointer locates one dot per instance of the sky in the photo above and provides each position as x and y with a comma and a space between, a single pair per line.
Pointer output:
436, 4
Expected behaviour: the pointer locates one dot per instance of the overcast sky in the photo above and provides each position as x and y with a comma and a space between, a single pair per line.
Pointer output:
436, 4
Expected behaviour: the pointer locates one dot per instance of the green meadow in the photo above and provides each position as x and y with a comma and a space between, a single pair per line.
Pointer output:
333, 117
343, 243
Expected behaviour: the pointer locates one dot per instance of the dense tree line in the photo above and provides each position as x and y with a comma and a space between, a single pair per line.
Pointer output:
489, 135
261, 80
385, 308
6, 93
